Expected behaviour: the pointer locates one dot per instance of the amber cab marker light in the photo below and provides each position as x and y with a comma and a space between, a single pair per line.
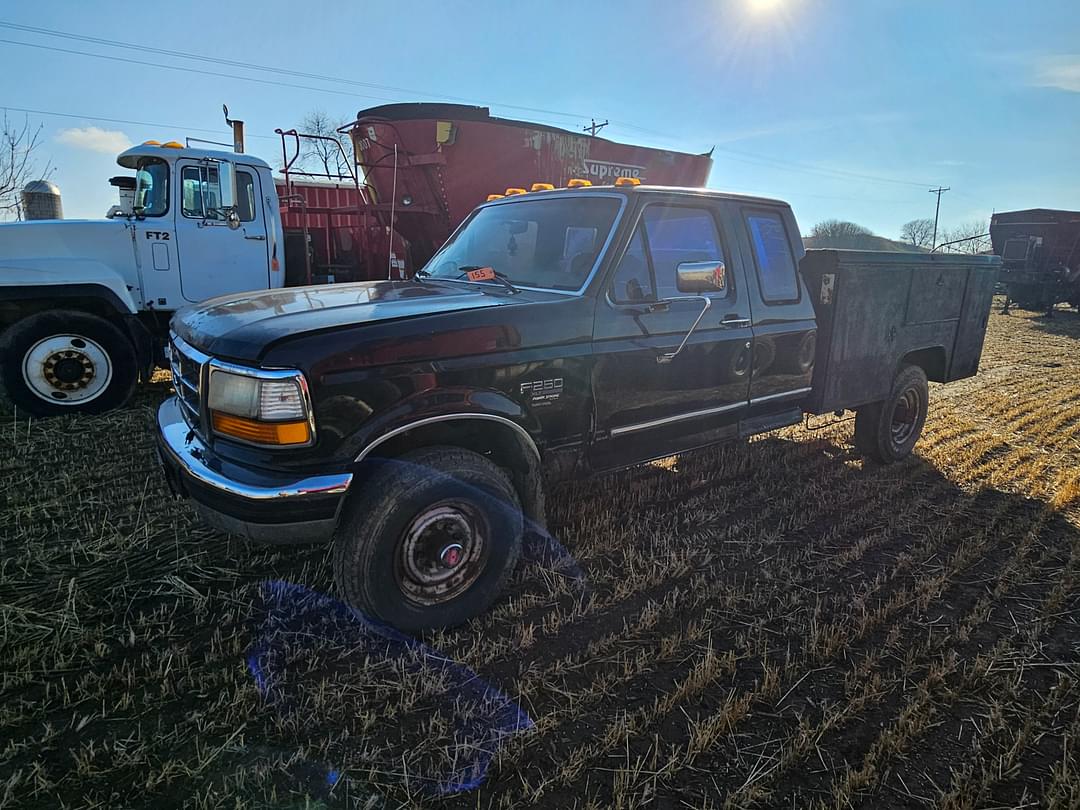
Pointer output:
512, 191
627, 181
578, 182
491, 197
252, 430
543, 187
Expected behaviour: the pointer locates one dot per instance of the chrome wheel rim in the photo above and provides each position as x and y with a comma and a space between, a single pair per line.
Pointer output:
67, 369
442, 552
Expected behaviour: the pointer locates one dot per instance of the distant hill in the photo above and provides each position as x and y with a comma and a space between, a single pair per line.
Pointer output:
860, 242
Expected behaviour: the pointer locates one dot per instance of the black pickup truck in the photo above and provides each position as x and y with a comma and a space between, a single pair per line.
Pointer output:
556, 334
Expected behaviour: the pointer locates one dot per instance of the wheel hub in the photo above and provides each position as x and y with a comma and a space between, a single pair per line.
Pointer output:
442, 552
67, 369
904, 417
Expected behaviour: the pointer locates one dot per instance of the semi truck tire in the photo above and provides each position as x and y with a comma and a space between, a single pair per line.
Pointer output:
429, 539
887, 431
65, 361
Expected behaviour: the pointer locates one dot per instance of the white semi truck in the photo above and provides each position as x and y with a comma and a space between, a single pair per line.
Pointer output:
83, 303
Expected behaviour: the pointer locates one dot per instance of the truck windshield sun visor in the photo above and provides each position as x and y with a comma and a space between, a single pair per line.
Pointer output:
543, 243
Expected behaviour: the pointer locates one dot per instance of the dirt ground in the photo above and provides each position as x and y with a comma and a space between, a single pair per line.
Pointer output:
775, 624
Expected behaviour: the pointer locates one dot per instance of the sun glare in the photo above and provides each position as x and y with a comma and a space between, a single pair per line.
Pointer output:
763, 6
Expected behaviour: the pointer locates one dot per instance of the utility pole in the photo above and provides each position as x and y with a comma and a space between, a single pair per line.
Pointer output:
593, 128
939, 191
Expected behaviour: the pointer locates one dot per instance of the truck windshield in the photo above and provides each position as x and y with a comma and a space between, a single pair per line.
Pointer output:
548, 243
152, 187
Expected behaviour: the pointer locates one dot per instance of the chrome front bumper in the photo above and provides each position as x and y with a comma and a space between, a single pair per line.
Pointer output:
261, 505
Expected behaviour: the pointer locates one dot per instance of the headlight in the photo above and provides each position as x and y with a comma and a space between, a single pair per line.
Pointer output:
264, 407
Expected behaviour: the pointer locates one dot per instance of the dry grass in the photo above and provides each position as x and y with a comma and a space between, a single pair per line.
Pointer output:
768, 625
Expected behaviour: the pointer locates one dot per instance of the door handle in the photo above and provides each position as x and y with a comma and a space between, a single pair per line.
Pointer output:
735, 323
257, 237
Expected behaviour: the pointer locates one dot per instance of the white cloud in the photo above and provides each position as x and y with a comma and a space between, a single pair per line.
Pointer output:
95, 139
1062, 72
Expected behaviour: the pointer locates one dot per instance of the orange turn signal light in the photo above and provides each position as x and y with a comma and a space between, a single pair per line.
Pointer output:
542, 187
510, 192
627, 181
578, 182
252, 430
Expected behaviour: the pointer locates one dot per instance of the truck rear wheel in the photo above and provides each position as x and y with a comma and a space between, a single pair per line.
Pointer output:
887, 431
429, 539
64, 361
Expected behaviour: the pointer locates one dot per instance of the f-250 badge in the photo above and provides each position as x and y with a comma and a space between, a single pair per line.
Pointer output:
539, 391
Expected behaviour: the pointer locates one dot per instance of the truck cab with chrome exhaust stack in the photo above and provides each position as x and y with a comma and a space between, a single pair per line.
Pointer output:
85, 304
416, 425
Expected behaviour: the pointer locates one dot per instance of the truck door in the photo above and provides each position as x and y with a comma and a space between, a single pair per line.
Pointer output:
645, 407
154, 234
785, 332
214, 258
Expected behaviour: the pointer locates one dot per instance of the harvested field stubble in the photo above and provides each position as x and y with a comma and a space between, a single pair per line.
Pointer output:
767, 625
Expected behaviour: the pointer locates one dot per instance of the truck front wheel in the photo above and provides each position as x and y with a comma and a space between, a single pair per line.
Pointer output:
887, 431
63, 361
429, 539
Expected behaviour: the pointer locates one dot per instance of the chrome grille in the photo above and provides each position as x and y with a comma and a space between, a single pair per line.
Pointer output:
187, 365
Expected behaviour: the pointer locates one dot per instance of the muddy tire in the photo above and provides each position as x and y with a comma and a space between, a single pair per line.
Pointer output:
887, 431
429, 539
65, 361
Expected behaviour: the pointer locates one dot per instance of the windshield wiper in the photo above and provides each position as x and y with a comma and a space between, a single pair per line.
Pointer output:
497, 275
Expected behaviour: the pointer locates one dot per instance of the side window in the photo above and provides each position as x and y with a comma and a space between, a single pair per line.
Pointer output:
773, 257
633, 279
676, 235
200, 190
245, 195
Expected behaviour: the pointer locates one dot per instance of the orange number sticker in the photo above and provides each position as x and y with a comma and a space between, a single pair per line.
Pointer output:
481, 274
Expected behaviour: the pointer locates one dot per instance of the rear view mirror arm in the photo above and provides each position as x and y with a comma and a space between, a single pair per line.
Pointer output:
667, 357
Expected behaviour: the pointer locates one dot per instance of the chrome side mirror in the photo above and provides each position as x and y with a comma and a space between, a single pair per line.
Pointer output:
701, 277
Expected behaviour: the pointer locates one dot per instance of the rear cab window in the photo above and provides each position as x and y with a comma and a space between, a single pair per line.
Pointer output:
773, 256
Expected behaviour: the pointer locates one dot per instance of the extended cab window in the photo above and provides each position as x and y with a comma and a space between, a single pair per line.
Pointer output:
773, 257
667, 236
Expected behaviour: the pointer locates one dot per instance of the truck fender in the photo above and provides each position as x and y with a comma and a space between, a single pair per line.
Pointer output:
53, 278
20, 300
502, 436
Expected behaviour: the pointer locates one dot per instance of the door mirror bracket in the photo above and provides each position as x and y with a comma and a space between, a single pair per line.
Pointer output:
667, 357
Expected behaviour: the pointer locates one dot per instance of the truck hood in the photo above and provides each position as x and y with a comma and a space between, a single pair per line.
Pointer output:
92, 255
242, 326
97, 239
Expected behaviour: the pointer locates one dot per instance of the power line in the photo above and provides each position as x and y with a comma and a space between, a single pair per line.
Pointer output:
734, 154
112, 43
29, 111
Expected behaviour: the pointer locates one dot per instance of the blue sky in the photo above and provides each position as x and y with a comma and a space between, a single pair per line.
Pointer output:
849, 109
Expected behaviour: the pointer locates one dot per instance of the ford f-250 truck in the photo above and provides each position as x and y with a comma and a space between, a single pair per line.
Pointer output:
557, 333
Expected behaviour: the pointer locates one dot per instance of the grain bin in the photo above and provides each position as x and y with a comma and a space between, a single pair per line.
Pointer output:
41, 200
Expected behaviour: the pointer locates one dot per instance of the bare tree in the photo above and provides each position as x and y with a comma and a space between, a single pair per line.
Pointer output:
322, 155
919, 232
837, 228
968, 237
836, 233
17, 164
